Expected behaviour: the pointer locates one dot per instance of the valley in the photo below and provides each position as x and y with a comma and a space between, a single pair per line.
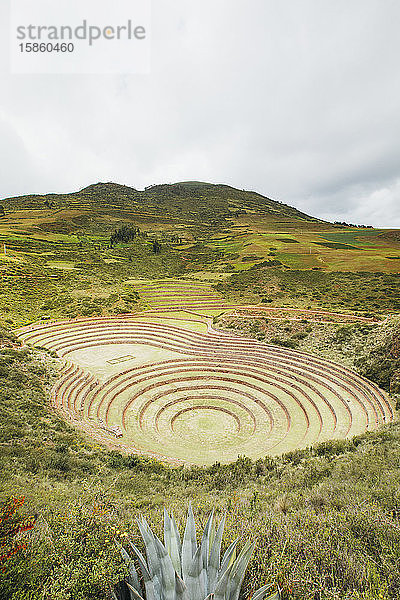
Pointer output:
196, 341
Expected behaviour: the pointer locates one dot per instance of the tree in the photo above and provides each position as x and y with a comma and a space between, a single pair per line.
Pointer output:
124, 234
156, 247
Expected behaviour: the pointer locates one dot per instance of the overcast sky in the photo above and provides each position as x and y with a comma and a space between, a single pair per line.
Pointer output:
296, 99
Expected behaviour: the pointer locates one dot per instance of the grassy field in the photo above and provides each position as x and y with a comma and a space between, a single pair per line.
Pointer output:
368, 293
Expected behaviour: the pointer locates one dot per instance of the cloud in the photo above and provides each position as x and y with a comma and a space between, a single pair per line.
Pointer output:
379, 206
297, 100
15, 160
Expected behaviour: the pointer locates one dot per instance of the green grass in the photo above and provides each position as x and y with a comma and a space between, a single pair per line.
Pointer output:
376, 293
59, 264
336, 245
363, 237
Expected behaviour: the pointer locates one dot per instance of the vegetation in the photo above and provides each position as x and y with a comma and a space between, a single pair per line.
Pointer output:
156, 247
181, 569
344, 224
11, 526
124, 234
366, 293
203, 203
381, 363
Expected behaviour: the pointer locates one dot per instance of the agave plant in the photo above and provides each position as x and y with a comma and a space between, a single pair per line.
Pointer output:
183, 570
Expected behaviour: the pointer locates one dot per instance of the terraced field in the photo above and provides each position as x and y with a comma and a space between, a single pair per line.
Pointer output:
179, 294
166, 295
167, 384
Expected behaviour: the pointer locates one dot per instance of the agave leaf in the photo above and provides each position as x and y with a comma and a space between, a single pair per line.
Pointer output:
189, 544
195, 579
230, 579
221, 589
180, 589
238, 570
129, 582
131, 568
276, 596
203, 581
205, 546
205, 541
175, 528
228, 558
152, 593
167, 571
167, 531
142, 562
215, 556
134, 593
177, 542
154, 580
260, 594
151, 549
172, 542
213, 531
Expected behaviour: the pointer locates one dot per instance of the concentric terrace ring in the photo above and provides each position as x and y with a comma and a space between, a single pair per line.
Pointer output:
143, 384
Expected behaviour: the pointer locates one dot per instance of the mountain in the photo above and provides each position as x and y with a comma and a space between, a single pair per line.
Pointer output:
188, 203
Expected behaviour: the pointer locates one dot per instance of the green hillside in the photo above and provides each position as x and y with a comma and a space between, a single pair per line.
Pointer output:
201, 226
190, 203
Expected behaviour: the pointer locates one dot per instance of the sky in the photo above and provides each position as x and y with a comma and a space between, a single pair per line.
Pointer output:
296, 99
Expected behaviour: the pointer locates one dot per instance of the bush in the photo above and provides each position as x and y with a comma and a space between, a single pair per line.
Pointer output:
285, 343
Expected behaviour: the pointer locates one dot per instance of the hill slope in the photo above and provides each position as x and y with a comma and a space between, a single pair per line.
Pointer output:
188, 203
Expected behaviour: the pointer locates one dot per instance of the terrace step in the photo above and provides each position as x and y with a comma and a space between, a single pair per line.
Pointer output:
271, 399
